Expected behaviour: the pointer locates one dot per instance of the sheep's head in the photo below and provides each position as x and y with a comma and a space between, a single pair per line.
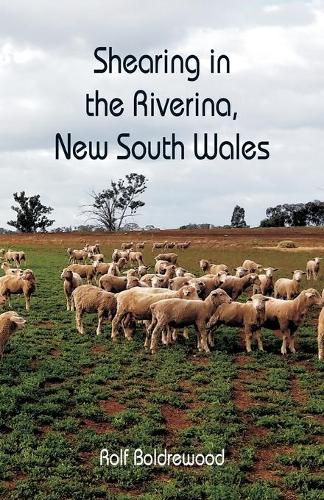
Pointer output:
199, 285
219, 296
317, 260
269, 271
67, 274
258, 301
313, 297
15, 321
180, 271
221, 277
2, 300
204, 264
28, 275
157, 282
254, 279
298, 275
188, 292
240, 271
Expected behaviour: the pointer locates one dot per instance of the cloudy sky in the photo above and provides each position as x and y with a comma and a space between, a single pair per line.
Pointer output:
276, 86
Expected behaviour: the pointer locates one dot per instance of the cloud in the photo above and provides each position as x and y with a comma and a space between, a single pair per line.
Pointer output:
275, 85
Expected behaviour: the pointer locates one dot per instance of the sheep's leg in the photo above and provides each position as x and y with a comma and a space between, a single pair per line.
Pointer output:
100, 322
259, 340
292, 344
27, 302
285, 340
155, 337
248, 340
115, 324
79, 322
320, 343
129, 327
203, 336
68, 302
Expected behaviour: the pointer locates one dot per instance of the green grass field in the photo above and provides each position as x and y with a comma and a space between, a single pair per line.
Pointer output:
66, 396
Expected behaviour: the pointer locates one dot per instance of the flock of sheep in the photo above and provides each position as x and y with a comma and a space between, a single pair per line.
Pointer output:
170, 299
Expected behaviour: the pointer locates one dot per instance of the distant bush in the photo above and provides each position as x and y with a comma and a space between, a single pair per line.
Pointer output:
287, 244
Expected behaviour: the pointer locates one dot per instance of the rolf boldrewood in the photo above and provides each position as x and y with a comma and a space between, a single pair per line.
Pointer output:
138, 457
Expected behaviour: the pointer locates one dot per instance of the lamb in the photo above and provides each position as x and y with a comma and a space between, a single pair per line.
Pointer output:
251, 266
288, 315
266, 287
10, 256
183, 244
250, 315
91, 299
158, 245
209, 268
136, 258
84, 270
71, 282
320, 332
10, 321
169, 273
161, 266
312, 268
96, 257
140, 245
135, 303
76, 256
113, 284
11, 271
142, 270
286, 288
120, 254
174, 312
127, 246
236, 286
240, 271
24, 285
94, 249
169, 257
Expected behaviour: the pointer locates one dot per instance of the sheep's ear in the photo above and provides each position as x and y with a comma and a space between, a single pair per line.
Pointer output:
18, 320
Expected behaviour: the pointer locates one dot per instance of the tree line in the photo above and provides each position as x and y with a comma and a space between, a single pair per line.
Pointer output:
111, 208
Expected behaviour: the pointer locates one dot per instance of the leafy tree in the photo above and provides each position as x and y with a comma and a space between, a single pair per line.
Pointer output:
31, 214
238, 217
112, 206
295, 214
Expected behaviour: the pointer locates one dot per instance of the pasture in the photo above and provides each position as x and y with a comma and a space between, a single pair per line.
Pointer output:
64, 397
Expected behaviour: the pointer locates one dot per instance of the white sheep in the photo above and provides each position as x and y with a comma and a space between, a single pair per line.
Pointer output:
11, 271
91, 299
10, 321
24, 285
179, 313
266, 286
251, 266
288, 315
250, 315
71, 282
313, 267
286, 288
209, 268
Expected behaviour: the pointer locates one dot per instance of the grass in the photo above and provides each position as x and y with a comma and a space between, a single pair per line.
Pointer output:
63, 397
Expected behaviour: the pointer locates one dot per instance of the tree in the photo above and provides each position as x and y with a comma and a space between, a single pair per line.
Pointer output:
238, 217
112, 206
295, 214
31, 214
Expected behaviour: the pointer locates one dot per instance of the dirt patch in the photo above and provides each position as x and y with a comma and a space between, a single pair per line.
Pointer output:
298, 395
265, 466
98, 348
86, 370
34, 364
175, 419
99, 427
111, 406
55, 352
199, 360
242, 360
48, 325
